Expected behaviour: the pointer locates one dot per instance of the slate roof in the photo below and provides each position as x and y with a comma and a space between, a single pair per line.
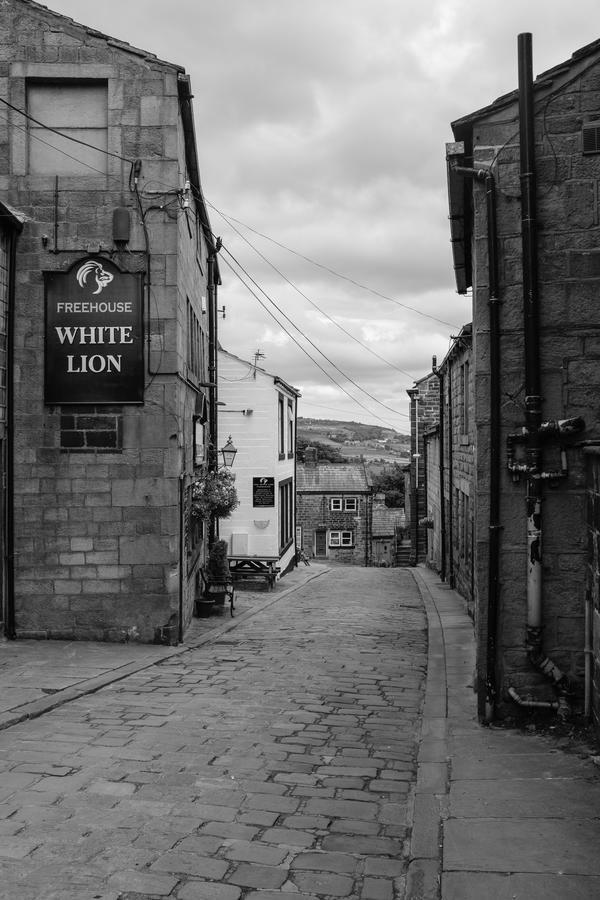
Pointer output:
385, 520
332, 478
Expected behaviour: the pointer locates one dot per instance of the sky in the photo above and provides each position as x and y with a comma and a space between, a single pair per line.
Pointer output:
321, 128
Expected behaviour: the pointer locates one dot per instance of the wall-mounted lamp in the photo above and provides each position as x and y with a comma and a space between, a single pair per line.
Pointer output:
228, 452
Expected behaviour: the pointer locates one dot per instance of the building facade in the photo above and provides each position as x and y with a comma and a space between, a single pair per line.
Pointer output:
523, 176
258, 411
334, 511
115, 286
424, 411
450, 472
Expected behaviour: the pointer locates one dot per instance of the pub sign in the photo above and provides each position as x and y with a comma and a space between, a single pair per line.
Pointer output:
94, 334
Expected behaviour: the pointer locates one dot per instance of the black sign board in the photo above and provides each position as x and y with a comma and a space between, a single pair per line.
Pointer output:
94, 334
263, 491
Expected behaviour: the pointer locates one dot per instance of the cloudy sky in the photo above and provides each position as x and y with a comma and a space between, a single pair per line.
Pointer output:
321, 129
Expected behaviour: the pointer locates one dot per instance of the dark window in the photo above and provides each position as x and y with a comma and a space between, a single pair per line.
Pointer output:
286, 514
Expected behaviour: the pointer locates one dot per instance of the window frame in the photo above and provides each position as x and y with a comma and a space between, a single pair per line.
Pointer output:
89, 167
343, 543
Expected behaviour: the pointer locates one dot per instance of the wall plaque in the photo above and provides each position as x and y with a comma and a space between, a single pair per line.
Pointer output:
263, 491
94, 335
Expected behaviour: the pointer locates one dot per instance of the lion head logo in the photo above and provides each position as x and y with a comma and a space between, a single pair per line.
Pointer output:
101, 276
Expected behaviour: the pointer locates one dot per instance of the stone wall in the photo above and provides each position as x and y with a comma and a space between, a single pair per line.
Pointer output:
568, 229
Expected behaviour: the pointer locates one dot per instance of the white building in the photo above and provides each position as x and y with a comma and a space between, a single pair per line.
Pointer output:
258, 411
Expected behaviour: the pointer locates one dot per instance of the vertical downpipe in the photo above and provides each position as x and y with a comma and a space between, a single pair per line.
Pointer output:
533, 400
212, 380
494, 516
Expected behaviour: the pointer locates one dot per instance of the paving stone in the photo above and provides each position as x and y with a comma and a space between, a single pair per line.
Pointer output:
325, 862
190, 864
323, 883
255, 876
204, 890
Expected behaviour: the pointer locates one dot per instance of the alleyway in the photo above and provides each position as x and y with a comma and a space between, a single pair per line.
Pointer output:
277, 760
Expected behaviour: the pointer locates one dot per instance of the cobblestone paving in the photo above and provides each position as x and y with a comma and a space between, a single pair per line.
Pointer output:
277, 761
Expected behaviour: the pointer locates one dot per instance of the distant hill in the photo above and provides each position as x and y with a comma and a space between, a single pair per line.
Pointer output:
354, 439
356, 431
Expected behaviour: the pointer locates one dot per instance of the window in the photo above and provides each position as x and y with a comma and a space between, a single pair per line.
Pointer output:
286, 514
341, 538
290, 429
465, 396
76, 110
346, 504
195, 343
281, 426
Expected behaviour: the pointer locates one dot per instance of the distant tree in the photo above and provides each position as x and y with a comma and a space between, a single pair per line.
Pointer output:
325, 453
391, 483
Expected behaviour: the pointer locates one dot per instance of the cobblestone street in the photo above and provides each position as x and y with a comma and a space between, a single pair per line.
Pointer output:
277, 759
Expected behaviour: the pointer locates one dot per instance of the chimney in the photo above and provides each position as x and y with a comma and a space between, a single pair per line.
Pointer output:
310, 457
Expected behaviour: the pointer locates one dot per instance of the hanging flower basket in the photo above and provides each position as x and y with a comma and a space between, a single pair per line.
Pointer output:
214, 494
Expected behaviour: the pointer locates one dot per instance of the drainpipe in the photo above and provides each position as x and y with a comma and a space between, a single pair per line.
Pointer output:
487, 705
212, 380
440, 377
533, 400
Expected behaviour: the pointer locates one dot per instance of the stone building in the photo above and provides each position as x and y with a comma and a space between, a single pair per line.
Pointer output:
524, 178
424, 411
449, 471
108, 376
389, 543
333, 510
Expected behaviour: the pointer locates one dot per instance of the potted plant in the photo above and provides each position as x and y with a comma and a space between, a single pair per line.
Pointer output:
217, 581
214, 494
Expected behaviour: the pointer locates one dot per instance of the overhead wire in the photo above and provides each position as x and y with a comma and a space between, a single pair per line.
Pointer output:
306, 338
313, 304
143, 214
304, 350
331, 271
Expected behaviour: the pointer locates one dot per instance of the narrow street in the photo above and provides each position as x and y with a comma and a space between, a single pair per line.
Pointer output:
276, 760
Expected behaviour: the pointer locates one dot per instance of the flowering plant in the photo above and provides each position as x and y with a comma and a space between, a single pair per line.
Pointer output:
214, 494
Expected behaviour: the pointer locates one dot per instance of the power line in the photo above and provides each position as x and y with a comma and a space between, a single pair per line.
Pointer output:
331, 271
304, 350
331, 363
313, 304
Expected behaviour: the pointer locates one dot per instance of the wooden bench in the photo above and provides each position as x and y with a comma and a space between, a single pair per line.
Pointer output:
254, 568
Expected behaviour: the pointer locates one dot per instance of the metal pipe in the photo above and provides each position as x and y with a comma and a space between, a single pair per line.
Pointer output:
533, 704
212, 379
494, 523
533, 400
487, 709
